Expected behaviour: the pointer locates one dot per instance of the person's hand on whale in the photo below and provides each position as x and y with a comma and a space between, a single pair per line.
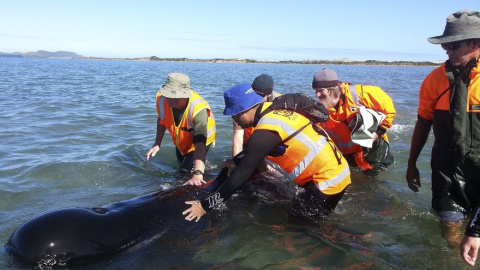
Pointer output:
196, 180
195, 211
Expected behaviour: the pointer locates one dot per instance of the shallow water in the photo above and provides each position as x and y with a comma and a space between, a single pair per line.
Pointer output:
75, 132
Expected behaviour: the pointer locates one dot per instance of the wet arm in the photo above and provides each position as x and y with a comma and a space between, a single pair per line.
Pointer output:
158, 140
259, 145
471, 241
200, 121
200, 139
237, 139
419, 138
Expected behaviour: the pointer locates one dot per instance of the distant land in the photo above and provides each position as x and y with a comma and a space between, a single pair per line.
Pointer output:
72, 55
42, 54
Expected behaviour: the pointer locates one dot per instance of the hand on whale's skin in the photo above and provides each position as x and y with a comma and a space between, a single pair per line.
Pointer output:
195, 211
196, 180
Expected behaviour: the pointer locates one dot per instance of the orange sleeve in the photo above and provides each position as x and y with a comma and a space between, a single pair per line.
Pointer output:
374, 97
434, 84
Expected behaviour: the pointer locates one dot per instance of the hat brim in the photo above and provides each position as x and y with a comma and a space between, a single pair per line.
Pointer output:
234, 110
174, 93
447, 39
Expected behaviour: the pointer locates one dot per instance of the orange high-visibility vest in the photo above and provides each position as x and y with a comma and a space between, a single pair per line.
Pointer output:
182, 135
337, 124
309, 155
248, 131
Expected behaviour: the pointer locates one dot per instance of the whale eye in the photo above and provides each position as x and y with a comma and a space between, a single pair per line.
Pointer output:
99, 210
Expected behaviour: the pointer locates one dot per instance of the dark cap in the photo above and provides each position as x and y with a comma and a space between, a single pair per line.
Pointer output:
461, 25
263, 84
325, 78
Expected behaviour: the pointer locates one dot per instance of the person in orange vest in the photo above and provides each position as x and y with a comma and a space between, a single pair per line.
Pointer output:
449, 102
360, 116
189, 120
263, 86
289, 142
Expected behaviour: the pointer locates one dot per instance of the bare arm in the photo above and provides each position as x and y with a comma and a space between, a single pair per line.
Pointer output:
199, 140
198, 164
237, 139
469, 249
158, 141
419, 138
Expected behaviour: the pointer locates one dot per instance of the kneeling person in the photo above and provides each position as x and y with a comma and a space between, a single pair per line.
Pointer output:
309, 159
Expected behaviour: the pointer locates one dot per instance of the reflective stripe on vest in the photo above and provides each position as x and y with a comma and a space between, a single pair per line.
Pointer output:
314, 146
354, 94
309, 156
211, 130
332, 182
195, 104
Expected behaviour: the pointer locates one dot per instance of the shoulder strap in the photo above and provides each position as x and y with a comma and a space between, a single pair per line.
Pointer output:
295, 133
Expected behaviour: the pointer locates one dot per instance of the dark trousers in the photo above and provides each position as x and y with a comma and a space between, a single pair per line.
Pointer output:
186, 161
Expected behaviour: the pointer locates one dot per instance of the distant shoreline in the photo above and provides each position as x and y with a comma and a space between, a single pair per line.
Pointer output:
300, 62
72, 55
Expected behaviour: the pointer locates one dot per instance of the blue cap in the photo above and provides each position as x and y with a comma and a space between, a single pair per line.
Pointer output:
240, 98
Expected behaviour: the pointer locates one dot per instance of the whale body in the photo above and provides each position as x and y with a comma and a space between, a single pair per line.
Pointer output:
76, 235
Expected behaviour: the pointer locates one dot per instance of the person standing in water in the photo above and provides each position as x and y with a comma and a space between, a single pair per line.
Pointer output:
449, 101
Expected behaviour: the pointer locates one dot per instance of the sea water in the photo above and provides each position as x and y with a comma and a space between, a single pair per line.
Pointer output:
74, 133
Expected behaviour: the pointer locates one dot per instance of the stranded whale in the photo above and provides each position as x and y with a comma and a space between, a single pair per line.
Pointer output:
75, 235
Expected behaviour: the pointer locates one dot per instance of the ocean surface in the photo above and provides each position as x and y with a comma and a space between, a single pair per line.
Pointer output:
75, 133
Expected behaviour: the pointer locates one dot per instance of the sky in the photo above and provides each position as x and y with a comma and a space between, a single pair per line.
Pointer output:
274, 30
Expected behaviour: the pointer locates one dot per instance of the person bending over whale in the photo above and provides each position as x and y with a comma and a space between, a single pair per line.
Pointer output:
306, 157
189, 120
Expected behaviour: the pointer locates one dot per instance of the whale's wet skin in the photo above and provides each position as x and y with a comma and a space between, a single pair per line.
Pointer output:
77, 235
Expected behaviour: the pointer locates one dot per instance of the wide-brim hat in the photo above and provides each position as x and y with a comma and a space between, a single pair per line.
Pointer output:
461, 25
177, 85
240, 98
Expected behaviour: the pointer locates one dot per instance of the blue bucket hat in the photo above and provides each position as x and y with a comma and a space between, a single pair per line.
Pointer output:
240, 98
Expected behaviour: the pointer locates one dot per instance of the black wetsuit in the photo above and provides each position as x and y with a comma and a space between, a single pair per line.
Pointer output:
473, 227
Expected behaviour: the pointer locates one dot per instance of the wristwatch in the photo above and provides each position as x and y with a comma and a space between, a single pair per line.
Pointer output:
197, 172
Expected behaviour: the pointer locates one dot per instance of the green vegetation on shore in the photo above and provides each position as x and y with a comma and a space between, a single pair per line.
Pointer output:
72, 55
311, 62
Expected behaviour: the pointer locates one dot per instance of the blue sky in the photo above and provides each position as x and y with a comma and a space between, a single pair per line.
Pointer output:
263, 30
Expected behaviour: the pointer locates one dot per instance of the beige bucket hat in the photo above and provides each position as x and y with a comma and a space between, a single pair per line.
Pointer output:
177, 85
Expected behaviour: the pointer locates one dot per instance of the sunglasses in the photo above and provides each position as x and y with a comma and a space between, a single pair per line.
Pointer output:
452, 46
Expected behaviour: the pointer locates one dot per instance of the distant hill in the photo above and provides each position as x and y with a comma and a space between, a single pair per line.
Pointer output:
42, 54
